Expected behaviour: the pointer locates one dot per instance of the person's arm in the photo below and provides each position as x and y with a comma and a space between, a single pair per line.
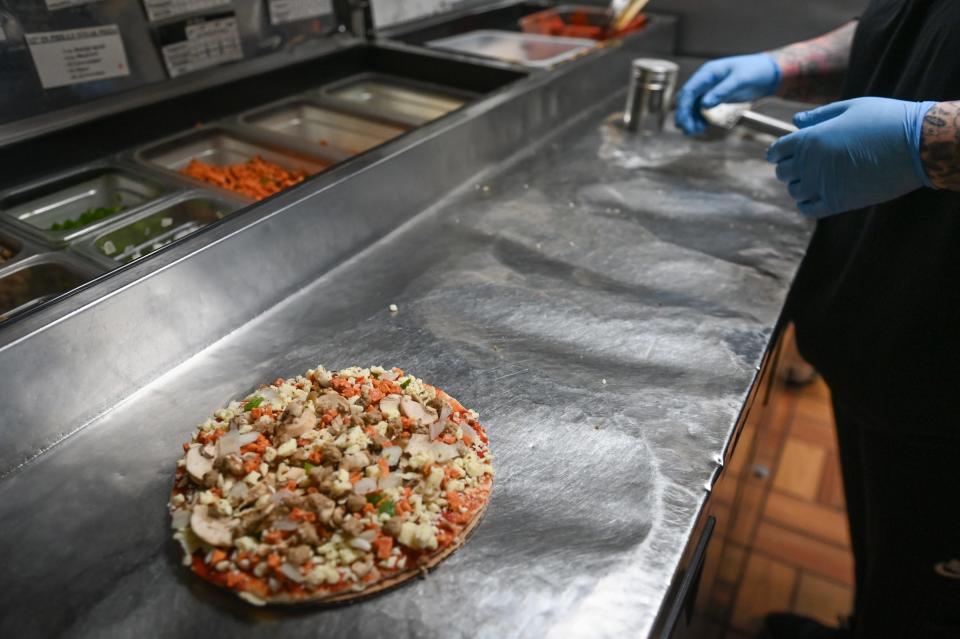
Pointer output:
940, 145
812, 71
806, 70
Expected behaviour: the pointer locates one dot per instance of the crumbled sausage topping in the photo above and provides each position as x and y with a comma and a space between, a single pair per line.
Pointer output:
328, 483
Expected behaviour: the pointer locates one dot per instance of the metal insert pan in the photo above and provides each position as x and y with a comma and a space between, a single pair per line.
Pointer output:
35, 208
396, 99
156, 227
39, 278
308, 119
223, 145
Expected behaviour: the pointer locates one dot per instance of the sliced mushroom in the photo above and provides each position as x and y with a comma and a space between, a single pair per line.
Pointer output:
355, 503
352, 526
295, 408
361, 568
356, 461
319, 473
211, 478
215, 532
197, 464
332, 400
417, 411
324, 507
299, 555
255, 520
308, 534
393, 526
331, 454
390, 406
306, 421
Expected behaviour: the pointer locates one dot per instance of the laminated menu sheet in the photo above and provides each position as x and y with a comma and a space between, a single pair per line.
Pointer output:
163, 9
75, 56
53, 5
283, 11
200, 43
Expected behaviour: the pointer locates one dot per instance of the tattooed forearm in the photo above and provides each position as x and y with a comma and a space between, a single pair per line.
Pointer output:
813, 70
940, 145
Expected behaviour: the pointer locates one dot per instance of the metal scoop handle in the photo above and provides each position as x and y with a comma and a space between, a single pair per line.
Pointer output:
729, 115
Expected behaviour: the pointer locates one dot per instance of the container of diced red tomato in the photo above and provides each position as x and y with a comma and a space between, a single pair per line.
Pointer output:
576, 21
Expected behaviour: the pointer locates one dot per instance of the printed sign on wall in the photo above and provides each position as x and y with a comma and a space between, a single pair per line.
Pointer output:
78, 55
283, 11
163, 9
200, 43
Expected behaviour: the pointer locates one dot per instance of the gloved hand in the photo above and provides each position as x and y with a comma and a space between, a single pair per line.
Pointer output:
852, 154
739, 78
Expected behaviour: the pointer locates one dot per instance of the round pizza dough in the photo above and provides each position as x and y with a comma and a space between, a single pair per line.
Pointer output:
330, 486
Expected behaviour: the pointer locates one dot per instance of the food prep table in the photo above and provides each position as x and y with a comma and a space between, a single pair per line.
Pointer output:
607, 302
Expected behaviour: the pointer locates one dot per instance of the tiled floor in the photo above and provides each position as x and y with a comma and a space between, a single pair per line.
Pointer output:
798, 557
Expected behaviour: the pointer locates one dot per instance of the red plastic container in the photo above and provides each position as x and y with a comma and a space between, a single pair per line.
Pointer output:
576, 21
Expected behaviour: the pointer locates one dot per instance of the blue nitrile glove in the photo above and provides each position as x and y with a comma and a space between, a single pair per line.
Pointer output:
852, 154
740, 78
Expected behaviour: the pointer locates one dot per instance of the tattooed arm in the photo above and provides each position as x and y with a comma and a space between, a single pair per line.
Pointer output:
940, 145
812, 71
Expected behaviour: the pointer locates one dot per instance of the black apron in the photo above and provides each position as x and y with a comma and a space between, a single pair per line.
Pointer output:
877, 299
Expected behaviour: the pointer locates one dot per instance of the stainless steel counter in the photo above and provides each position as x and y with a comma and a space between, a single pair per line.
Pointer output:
603, 302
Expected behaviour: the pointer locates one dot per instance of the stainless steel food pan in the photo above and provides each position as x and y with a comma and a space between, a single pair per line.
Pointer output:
223, 146
396, 99
13, 248
156, 227
39, 278
308, 120
59, 209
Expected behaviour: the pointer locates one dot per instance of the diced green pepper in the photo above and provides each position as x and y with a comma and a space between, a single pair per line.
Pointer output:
253, 403
406, 383
387, 506
87, 217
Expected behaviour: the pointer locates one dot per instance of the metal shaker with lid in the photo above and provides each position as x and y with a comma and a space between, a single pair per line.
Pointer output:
652, 84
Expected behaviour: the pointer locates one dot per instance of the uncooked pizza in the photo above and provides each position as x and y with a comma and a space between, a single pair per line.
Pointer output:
330, 486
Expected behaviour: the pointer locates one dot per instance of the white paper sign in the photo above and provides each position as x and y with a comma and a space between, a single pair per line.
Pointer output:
283, 11
162, 9
206, 43
53, 5
78, 55
389, 12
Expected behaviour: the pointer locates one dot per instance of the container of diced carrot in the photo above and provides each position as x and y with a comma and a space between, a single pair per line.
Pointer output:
576, 21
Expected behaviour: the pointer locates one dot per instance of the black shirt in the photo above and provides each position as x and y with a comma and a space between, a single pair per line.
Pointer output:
877, 299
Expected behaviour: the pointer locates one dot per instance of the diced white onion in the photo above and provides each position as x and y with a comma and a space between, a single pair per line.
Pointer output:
268, 394
468, 430
291, 572
365, 485
392, 455
436, 428
361, 543
392, 480
369, 535
418, 443
285, 524
228, 444
443, 452
180, 518
248, 438
239, 490
280, 495
445, 411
